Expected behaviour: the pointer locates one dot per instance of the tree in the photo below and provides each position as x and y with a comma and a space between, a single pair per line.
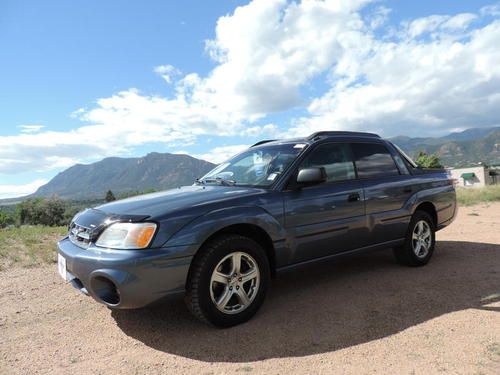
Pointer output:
428, 161
41, 211
110, 197
6, 219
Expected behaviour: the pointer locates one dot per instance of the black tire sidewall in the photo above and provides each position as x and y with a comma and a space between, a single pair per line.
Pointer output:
219, 249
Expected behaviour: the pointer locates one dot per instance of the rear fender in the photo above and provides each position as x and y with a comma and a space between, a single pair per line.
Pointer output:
443, 198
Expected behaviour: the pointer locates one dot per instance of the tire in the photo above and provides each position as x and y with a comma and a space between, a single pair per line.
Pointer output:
417, 250
214, 294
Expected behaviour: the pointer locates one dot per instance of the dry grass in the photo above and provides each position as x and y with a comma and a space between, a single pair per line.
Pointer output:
29, 246
471, 196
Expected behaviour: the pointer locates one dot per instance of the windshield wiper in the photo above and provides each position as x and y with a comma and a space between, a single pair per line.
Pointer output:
220, 180
199, 181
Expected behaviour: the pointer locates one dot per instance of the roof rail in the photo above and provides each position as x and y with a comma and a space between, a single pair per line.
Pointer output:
262, 142
337, 133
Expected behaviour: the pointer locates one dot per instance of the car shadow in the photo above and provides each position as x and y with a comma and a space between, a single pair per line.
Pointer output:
330, 306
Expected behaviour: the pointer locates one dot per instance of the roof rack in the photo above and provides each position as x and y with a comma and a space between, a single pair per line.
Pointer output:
262, 142
337, 133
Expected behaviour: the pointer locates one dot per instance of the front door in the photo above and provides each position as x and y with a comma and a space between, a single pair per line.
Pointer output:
327, 218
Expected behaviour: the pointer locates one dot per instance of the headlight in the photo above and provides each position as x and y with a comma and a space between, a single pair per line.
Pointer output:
127, 236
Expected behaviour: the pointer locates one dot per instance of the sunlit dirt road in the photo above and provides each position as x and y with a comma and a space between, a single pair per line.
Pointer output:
356, 315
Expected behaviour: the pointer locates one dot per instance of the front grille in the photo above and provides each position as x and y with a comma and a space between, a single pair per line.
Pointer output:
79, 235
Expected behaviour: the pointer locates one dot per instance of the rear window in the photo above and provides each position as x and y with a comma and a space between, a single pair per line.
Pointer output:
373, 160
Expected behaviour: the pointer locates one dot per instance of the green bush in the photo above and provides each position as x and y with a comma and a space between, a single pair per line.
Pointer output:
6, 219
42, 211
428, 161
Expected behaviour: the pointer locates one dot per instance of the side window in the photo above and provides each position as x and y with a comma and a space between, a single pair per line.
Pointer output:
401, 164
373, 160
335, 158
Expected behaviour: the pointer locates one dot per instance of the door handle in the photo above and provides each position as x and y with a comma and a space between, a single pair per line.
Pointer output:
353, 197
407, 190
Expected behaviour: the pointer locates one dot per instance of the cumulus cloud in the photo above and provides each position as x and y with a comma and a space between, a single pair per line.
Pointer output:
268, 49
219, 154
423, 76
8, 191
167, 72
437, 74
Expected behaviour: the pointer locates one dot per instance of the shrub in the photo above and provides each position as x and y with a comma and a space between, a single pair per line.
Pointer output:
6, 219
428, 161
41, 211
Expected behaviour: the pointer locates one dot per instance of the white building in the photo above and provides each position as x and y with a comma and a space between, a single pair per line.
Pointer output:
475, 176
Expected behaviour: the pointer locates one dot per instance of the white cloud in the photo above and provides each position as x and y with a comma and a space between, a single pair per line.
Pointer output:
490, 10
30, 128
379, 17
268, 49
438, 75
427, 75
167, 72
439, 23
219, 154
11, 191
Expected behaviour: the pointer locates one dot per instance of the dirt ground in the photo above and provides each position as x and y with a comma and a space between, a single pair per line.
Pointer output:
357, 315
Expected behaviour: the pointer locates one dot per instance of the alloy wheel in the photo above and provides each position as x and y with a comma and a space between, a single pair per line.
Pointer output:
235, 282
421, 238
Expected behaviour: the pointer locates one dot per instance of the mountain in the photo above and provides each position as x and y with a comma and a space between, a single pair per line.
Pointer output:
163, 171
123, 175
457, 149
470, 134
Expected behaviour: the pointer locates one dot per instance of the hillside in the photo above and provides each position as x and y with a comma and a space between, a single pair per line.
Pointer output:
121, 175
163, 171
457, 149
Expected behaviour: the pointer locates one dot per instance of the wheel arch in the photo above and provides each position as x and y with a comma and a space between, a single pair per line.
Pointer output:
430, 209
249, 230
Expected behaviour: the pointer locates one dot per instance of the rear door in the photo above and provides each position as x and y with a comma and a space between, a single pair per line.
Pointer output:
387, 188
330, 217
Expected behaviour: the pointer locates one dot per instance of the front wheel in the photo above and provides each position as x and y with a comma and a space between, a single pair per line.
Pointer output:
228, 281
419, 243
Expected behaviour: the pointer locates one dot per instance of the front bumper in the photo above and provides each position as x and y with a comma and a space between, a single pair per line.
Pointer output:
126, 279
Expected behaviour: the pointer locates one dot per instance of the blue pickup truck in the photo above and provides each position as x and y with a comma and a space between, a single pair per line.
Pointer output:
277, 205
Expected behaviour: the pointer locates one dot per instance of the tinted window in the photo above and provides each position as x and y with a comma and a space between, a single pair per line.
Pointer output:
401, 164
335, 158
373, 160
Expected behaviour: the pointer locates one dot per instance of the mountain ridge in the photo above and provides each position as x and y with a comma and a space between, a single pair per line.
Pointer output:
458, 149
123, 175
164, 170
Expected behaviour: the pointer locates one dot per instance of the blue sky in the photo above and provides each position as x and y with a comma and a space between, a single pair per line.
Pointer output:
80, 81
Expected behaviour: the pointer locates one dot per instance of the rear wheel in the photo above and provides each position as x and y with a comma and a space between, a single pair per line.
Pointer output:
419, 243
228, 281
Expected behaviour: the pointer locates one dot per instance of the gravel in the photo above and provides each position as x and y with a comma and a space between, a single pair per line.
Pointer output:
355, 315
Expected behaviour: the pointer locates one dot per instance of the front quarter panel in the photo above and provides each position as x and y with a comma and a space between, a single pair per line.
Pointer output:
193, 235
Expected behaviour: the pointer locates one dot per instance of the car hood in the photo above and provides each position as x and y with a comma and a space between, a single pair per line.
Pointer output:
161, 203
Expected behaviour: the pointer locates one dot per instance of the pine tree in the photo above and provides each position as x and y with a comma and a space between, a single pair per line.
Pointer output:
110, 197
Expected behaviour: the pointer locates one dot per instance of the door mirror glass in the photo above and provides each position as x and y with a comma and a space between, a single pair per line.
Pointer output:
313, 175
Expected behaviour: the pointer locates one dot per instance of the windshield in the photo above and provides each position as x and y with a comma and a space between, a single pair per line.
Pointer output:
259, 166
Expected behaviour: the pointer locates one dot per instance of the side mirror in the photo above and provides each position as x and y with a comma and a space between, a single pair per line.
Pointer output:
310, 176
